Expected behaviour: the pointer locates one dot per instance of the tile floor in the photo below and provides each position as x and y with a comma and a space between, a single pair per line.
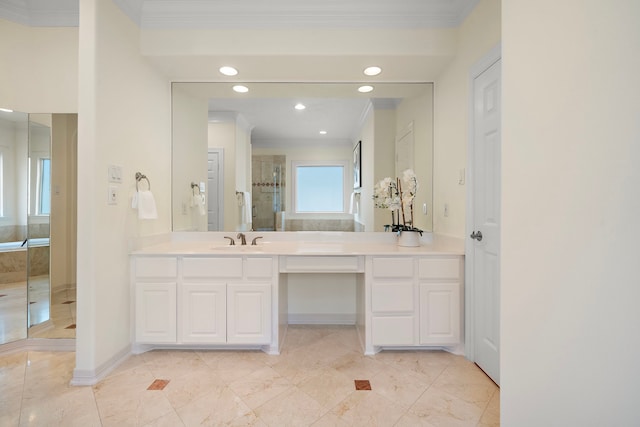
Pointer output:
311, 383
13, 310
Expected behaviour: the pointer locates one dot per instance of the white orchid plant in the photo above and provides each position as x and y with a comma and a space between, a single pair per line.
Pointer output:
398, 196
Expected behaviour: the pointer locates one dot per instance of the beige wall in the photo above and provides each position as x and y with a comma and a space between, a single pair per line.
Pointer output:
189, 158
41, 75
479, 33
124, 119
223, 135
570, 210
64, 140
418, 112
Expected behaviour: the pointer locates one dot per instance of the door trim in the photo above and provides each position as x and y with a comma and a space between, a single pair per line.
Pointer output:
220, 201
490, 58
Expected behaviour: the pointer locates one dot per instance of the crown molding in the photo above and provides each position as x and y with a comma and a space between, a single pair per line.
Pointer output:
253, 14
288, 14
56, 14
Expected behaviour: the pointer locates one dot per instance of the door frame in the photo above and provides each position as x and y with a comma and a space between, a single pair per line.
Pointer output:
490, 58
220, 201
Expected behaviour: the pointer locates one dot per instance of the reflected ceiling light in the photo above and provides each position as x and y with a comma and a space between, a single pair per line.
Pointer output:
6, 110
228, 71
372, 71
240, 89
323, 132
365, 89
300, 106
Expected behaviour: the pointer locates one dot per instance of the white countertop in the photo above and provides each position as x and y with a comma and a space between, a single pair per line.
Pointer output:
297, 244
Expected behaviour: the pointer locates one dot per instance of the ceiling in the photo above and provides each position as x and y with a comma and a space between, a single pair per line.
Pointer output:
271, 116
254, 13
337, 108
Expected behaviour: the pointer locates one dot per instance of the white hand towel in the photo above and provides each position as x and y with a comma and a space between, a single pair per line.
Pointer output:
146, 205
202, 205
354, 204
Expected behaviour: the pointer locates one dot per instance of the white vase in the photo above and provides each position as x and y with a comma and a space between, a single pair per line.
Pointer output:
409, 239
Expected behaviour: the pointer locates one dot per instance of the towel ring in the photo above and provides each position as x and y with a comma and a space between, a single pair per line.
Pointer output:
140, 177
193, 186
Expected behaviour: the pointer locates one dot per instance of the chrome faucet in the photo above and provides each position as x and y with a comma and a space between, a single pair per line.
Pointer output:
243, 239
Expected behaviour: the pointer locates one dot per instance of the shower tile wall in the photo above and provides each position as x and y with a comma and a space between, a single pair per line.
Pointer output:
268, 195
12, 233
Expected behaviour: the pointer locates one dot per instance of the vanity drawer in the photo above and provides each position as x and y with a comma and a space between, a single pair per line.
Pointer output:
156, 267
392, 297
393, 267
212, 267
326, 264
258, 267
439, 268
393, 331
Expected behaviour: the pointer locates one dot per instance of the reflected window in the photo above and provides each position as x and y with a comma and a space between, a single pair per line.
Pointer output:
319, 187
44, 192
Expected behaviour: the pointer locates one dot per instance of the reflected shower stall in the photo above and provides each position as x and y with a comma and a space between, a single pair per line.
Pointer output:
268, 195
37, 225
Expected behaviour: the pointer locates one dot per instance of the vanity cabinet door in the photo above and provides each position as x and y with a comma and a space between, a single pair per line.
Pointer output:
204, 313
439, 313
155, 312
249, 313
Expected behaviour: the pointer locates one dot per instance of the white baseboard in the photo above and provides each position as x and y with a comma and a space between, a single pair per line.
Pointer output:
321, 319
93, 376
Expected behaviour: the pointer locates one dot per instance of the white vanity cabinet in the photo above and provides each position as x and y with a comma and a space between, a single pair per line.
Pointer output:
206, 300
393, 306
155, 299
440, 283
415, 301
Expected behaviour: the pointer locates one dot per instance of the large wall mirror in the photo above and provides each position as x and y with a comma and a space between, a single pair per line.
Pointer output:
37, 225
266, 158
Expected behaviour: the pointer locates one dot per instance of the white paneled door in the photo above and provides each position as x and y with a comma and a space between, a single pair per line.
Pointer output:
486, 220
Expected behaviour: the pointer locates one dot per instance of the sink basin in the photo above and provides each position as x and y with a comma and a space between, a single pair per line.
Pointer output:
238, 248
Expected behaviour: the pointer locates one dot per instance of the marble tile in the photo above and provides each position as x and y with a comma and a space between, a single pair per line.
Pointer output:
170, 419
260, 386
75, 406
356, 365
491, 415
216, 408
310, 383
399, 385
368, 409
362, 385
442, 409
185, 389
158, 385
172, 363
233, 365
328, 387
292, 408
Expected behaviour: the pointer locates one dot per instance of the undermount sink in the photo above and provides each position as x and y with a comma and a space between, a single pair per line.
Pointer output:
238, 248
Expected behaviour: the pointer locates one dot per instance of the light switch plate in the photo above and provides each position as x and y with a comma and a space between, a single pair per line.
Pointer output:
115, 174
112, 197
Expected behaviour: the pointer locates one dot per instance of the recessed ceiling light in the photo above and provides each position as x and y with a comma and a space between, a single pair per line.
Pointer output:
228, 71
323, 132
241, 89
365, 89
372, 71
300, 106
6, 110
